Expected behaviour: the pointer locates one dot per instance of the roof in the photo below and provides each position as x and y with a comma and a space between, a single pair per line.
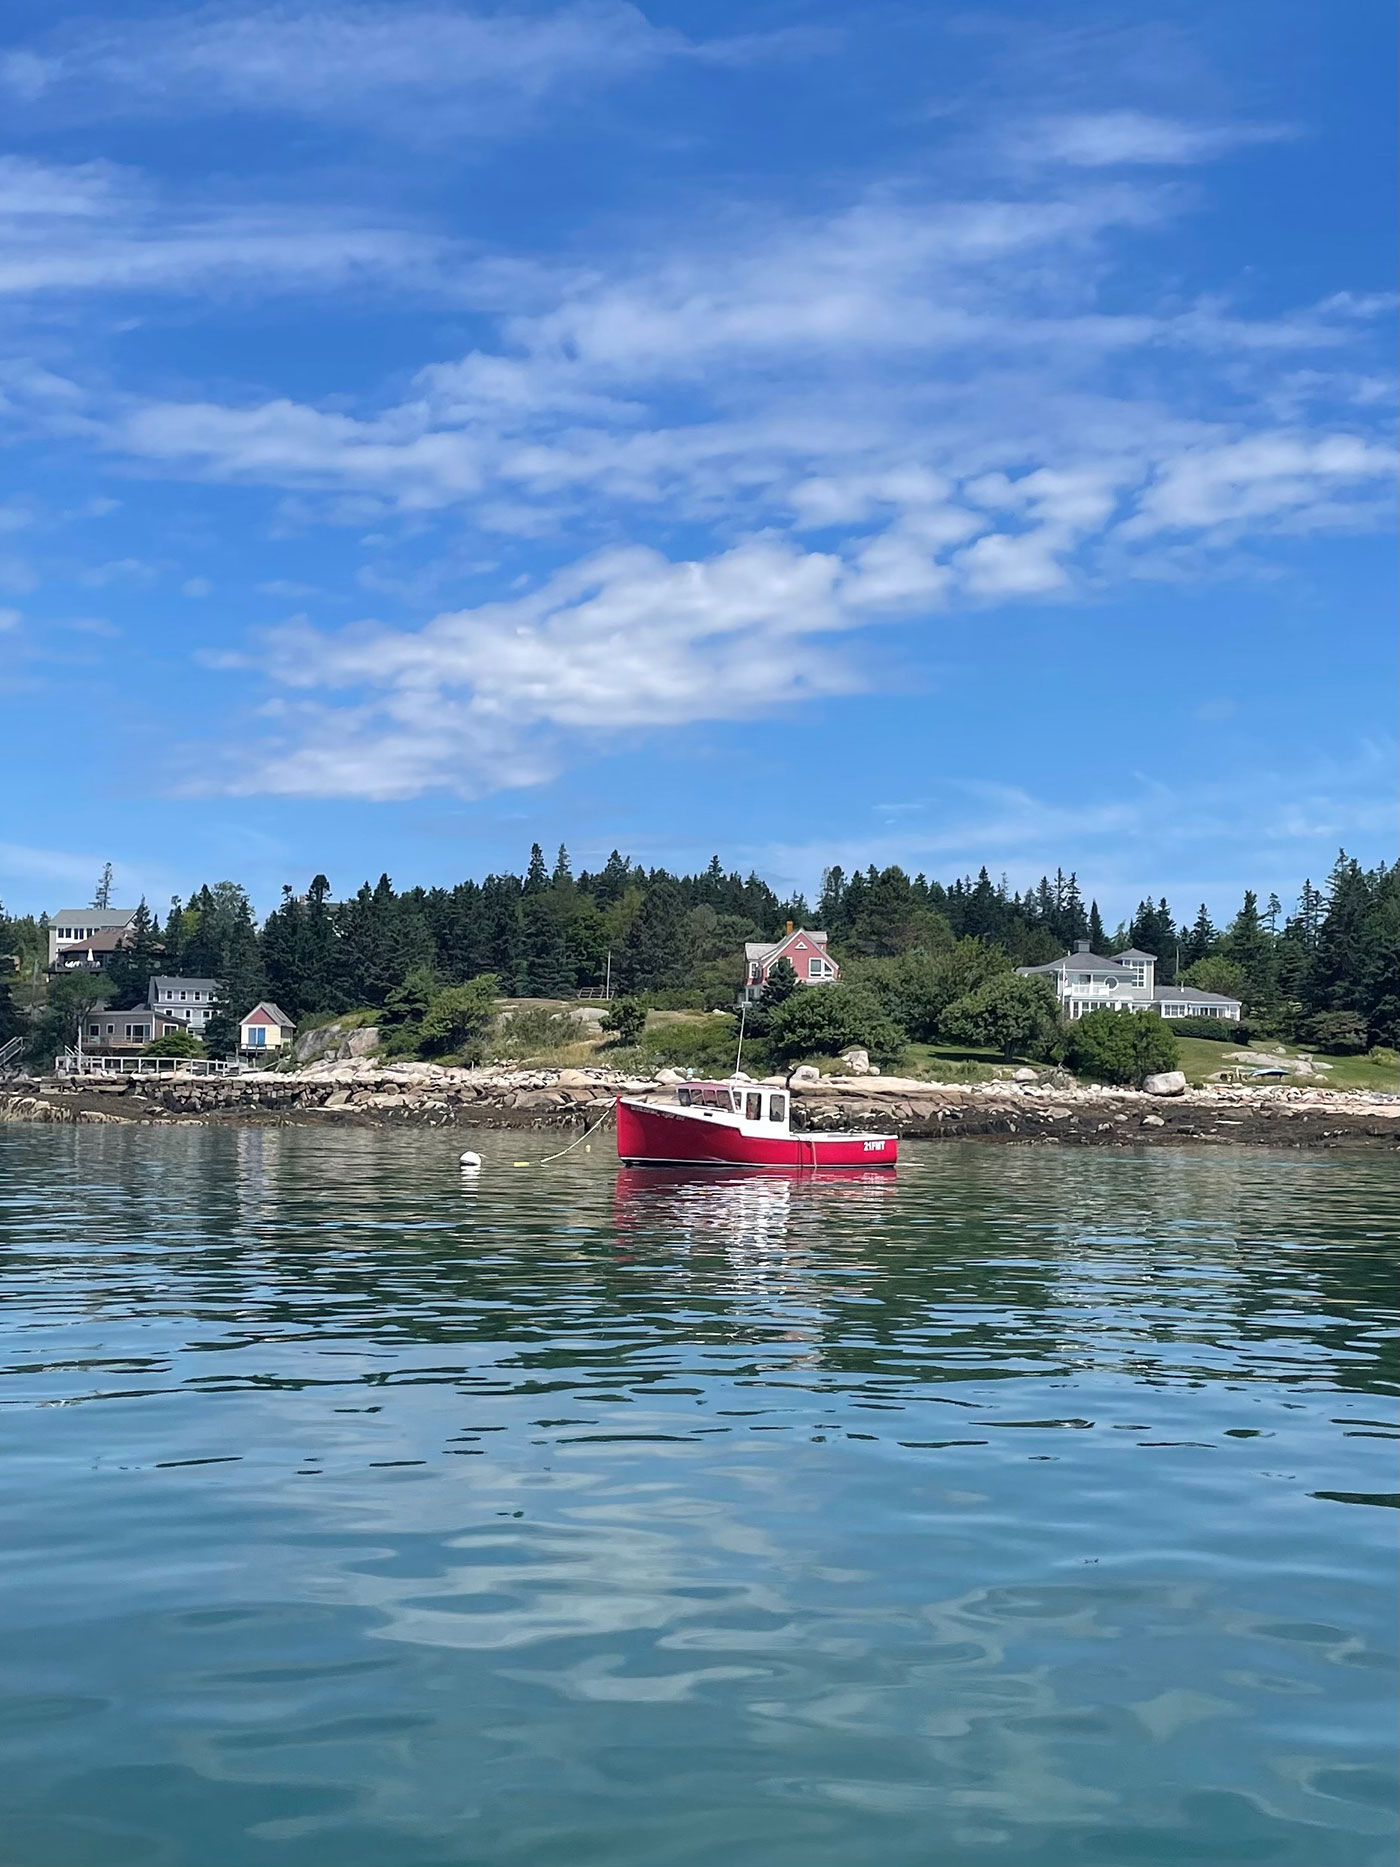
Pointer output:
760, 949
107, 940
162, 982
1134, 952
275, 1015
1082, 962
1174, 994
93, 917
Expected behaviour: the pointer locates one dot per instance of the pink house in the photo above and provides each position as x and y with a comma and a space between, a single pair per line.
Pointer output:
805, 952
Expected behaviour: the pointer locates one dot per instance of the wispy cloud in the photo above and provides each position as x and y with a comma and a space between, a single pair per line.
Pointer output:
419, 69
96, 227
1137, 139
877, 415
1274, 822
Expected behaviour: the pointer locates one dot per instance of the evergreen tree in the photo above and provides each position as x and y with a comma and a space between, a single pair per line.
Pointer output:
1353, 967
134, 962
1153, 930
831, 906
536, 875
102, 894
281, 941
1248, 946
1098, 940
173, 938
779, 986
370, 956
655, 953
1199, 941
611, 882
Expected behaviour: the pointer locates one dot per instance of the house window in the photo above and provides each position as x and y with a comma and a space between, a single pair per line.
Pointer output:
94, 1030
814, 969
777, 1108
257, 1035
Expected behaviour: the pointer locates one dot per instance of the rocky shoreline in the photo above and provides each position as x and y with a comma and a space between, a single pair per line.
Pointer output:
364, 1093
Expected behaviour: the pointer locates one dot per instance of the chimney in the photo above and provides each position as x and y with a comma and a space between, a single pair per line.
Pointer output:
1081, 946
789, 926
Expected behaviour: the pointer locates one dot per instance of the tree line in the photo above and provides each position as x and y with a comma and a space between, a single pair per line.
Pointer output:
1323, 972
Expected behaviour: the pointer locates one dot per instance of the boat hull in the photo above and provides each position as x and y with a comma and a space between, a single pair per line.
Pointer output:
651, 1135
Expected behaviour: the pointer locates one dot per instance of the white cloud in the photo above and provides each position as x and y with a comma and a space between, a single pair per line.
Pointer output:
420, 68
1296, 480
940, 393
96, 227
928, 387
10, 619
485, 698
1135, 138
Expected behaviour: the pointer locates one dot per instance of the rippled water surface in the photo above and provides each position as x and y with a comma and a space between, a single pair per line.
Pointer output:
1031, 1507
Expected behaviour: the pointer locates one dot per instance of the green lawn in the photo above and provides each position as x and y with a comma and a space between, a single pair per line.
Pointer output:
1380, 1069
960, 1063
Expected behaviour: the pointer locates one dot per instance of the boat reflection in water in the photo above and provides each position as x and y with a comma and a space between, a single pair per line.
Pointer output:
740, 1211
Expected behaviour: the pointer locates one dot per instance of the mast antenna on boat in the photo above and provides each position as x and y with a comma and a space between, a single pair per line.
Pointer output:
739, 1053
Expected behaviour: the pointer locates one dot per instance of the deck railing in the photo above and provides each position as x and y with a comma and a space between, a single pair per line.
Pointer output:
71, 1064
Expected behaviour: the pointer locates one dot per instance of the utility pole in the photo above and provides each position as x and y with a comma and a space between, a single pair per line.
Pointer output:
607, 980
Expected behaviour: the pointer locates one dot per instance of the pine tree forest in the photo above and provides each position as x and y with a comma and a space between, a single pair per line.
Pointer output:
1325, 969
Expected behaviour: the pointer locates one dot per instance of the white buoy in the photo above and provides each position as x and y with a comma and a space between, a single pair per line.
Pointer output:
469, 1163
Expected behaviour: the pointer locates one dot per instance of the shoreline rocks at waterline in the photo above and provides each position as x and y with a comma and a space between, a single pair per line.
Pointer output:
358, 1091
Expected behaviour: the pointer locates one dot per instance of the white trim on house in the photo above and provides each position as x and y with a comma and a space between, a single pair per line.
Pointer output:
804, 949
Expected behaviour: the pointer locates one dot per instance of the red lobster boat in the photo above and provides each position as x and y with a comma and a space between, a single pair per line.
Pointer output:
736, 1124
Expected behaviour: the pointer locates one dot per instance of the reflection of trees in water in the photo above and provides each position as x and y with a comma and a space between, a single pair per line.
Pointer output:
972, 1261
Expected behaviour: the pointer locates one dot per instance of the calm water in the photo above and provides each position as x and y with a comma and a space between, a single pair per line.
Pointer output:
1034, 1507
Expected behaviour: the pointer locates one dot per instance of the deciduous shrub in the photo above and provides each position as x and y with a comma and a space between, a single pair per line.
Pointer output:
1216, 973
175, 1044
917, 988
1120, 1046
822, 1020
1005, 1013
625, 1021
459, 1018
706, 1046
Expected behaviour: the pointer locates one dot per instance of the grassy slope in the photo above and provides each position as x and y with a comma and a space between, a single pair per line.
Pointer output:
1379, 1070
702, 1040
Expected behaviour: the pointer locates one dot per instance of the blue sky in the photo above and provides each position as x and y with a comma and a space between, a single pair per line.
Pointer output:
809, 433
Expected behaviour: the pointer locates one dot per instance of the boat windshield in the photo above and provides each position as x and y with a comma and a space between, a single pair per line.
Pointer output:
706, 1095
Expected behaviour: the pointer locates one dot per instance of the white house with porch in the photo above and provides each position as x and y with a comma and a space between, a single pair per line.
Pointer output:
804, 951
1085, 981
